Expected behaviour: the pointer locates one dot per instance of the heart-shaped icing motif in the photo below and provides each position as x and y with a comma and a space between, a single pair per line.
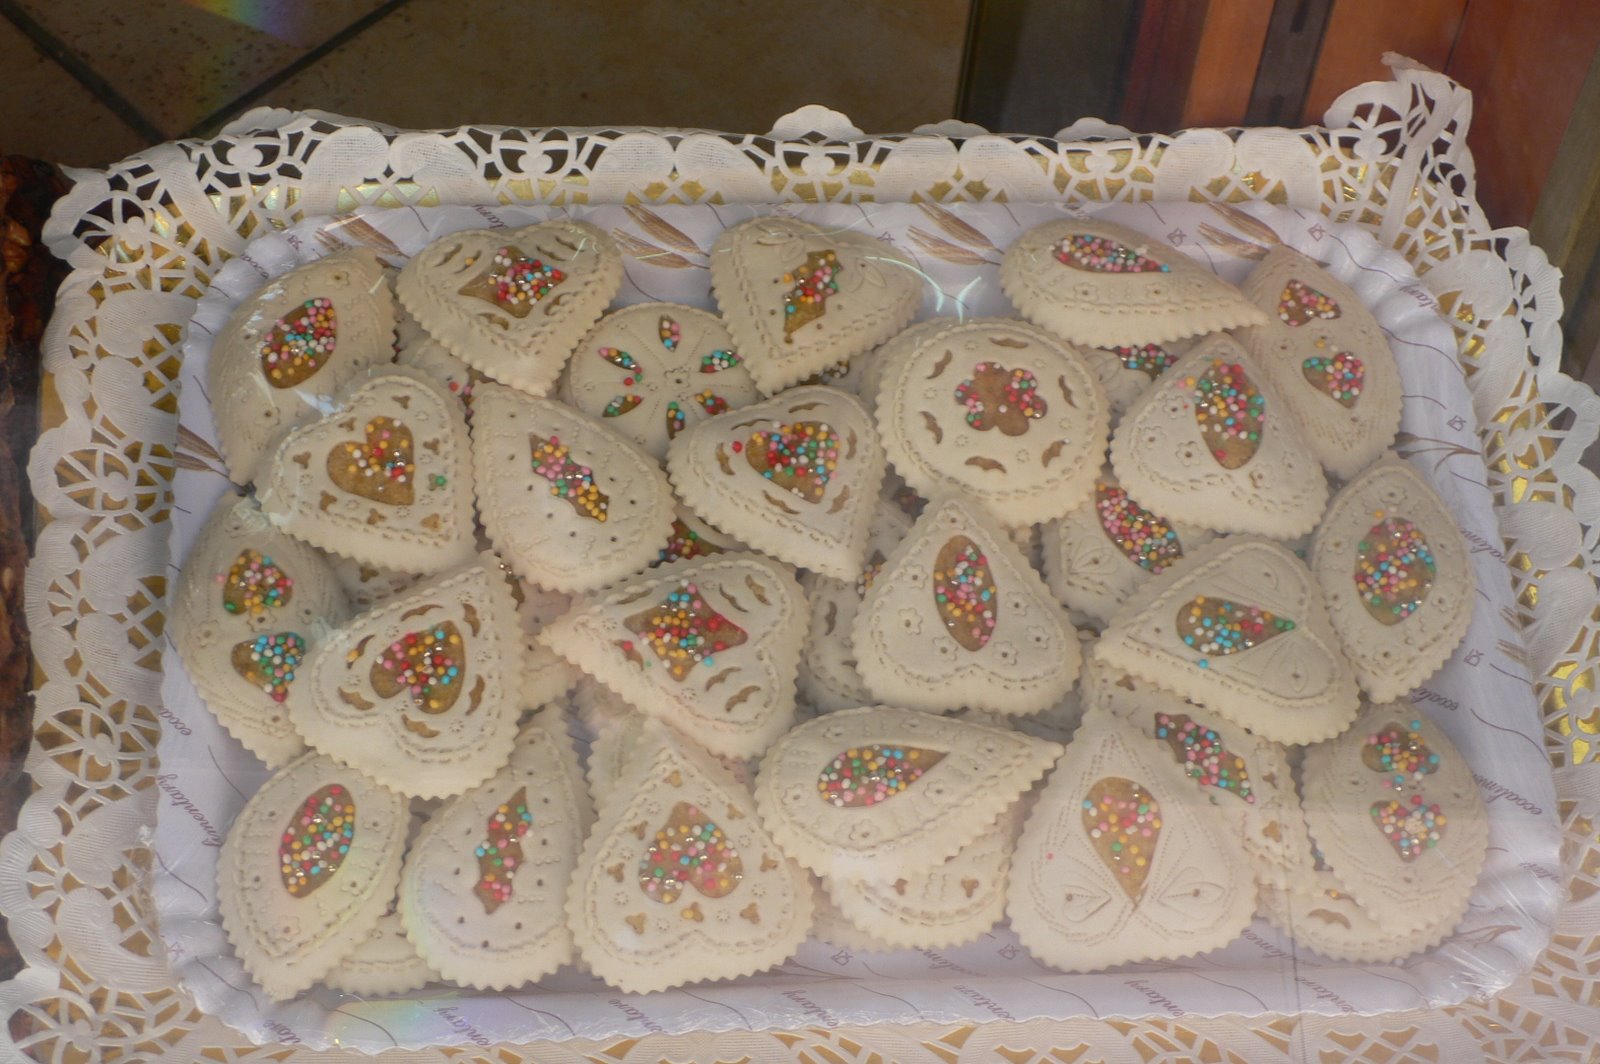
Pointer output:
380, 467
799, 457
1099, 254
691, 850
513, 281
995, 397
1150, 359
1214, 627
1299, 303
964, 591
867, 775
682, 631
1230, 412
1401, 754
1339, 377
1123, 823
1143, 538
316, 839
299, 343
1203, 756
1410, 825
500, 853
1394, 570
270, 662
255, 584
429, 665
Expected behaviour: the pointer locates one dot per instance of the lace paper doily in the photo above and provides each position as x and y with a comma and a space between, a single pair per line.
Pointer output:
146, 236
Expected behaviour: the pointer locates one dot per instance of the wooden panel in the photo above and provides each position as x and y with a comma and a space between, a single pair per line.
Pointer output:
1284, 73
1225, 62
1360, 31
1566, 224
1159, 71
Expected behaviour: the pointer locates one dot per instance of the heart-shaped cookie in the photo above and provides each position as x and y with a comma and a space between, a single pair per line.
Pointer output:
959, 618
799, 298
1118, 863
252, 601
1395, 809
421, 693
1212, 445
307, 869
1097, 555
291, 347
1240, 627
998, 409
1101, 284
570, 503
710, 646
679, 882
650, 370
879, 794
483, 892
1398, 579
793, 476
512, 303
384, 479
1327, 357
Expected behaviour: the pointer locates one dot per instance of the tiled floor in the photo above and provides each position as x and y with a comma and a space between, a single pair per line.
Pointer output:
86, 82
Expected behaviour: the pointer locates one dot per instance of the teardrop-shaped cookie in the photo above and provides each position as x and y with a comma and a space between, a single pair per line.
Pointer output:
307, 869
1118, 862
998, 409
799, 299
793, 476
248, 594
384, 478
1398, 579
710, 646
1101, 284
287, 350
1240, 627
1212, 445
679, 882
879, 793
512, 303
484, 889
959, 618
1327, 358
571, 504
422, 693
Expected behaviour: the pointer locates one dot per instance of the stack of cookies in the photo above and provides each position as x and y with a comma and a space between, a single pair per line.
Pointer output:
1092, 619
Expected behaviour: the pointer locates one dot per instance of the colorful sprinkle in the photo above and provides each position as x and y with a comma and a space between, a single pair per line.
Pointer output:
1200, 751
964, 592
869, 573
811, 283
299, 343
623, 361
1339, 377
1300, 303
1144, 539
316, 840
670, 332
1123, 822
1410, 826
712, 403
254, 584
268, 662
1215, 627
430, 665
719, 360
1230, 412
684, 631
514, 282
568, 480
1401, 754
1394, 569
500, 853
620, 404
689, 849
995, 397
1097, 254
867, 775
800, 457
675, 419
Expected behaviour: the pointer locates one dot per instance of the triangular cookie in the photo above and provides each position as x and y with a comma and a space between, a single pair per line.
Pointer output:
959, 618
710, 646
1118, 863
1211, 444
1102, 284
1397, 576
799, 298
1239, 626
423, 692
483, 893
793, 476
881, 794
1327, 357
290, 348
998, 409
251, 604
679, 882
385, 478
571, 504
513, 303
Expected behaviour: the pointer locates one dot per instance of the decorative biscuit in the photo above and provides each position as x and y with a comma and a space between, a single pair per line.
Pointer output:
800, 299
513, 303
1097, 555
307, 869
250, 606
1239, 627
385, 478
483, 893
1212, 445
678, 882
385, 962
793, 476
423, 692
1398, 579
829, 924
710, 646
1326, 356
880, 794
290, 348
1102, 284
958, 618
650, 370
1118, 863
998, 409
571, 504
